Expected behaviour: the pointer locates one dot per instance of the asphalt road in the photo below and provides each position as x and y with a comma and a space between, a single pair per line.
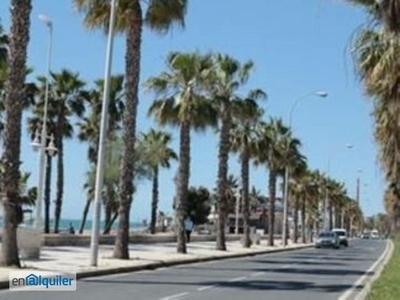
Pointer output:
302, 274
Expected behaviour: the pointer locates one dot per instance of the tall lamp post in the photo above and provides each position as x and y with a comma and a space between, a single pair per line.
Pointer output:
94, 245
326, 199
40, 140
321, 94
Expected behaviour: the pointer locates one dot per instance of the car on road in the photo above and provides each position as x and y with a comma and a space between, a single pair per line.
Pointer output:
327, 239
342, 236
375, 234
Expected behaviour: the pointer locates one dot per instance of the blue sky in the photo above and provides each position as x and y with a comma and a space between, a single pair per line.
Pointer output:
298, 46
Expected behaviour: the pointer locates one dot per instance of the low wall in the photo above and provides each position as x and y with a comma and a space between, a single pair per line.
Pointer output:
53, 240
77, 240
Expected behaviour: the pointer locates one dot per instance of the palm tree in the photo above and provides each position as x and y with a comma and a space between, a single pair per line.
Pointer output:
184, 105
15, 94
297, 190
294, 161
66, 100
160, 16
375, 52
226, 79
157, 153
243, 136
89, 127
271, 153
385, 11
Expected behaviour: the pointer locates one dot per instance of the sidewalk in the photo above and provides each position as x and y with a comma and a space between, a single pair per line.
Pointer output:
142, 257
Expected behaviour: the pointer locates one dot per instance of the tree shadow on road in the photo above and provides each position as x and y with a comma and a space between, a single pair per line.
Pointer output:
253, 285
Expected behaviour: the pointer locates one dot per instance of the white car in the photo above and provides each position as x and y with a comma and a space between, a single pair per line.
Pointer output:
374, 234
342, 236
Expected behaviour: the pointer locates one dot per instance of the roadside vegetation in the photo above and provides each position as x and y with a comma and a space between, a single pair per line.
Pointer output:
387, 286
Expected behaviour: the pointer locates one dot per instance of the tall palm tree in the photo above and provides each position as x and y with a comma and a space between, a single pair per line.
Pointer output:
183, 105
384, 11
89, 127
271, 153
375, 52
297, 190
294, 161
157, 154
66, 100
243, 137
15, 94
159, 16
227, 77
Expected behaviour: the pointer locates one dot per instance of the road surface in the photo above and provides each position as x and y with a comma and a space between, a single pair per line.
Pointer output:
303, 274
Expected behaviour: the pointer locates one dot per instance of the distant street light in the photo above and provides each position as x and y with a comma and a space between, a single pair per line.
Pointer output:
41, 139
326, 200
321, 94
94, 244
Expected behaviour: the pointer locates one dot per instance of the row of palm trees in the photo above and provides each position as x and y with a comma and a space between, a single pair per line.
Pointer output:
201, 90
195, 92
375, 51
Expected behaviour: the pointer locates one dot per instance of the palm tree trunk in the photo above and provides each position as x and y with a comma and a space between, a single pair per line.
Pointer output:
303, 220
107, 214
108, 227
60, 173
223, 157
330, 212
311, 230
296, 220
245, 195
15, 95
271, 211
84, 216
47, 195
183, 184
154, 202
132, 61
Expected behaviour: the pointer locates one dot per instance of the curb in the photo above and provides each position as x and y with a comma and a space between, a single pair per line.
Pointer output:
378, 271
164, 264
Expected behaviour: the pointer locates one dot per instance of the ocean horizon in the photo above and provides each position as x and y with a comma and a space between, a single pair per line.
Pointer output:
76, 223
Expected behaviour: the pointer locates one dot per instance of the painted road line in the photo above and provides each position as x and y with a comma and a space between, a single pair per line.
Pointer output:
348, 293
238, 279
173, 297
207, 287
257, 274
287, 266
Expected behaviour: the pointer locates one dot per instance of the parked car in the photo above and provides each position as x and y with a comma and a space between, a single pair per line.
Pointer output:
327, 239
342, 236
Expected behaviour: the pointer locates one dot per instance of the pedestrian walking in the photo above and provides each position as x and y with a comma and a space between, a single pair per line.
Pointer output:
188, 226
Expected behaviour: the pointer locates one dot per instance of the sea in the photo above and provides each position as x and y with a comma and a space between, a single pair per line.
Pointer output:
64, 225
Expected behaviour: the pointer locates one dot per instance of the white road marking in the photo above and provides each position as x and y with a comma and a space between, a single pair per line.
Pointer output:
174, 296
207, 287
348, 293
238, 279
257, 274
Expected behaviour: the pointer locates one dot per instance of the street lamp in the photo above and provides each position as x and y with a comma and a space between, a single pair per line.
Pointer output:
94, 244
325, 221
40, 140
321, 94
